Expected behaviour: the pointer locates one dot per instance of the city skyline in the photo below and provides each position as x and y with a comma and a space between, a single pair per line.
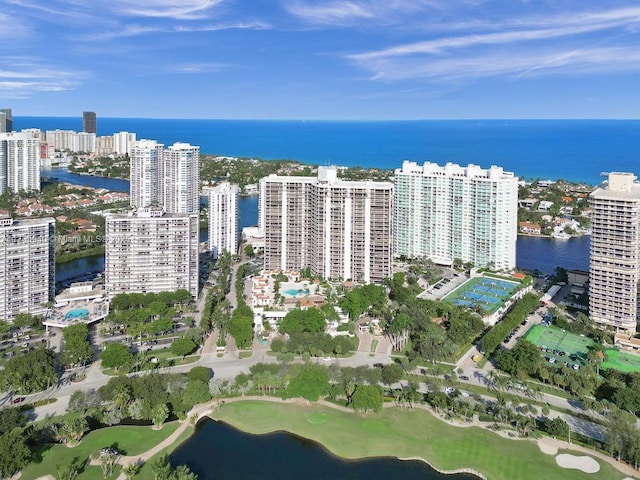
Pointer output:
336, 59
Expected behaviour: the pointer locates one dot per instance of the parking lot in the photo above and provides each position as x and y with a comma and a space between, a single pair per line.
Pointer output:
445, 286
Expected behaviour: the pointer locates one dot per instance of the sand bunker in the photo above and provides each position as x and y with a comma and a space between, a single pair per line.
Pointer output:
583, 463
547, 446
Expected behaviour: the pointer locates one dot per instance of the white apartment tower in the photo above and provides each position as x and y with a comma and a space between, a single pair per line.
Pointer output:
614, 274
27, 266
145, 156
168, 178
151, 251
340, 229
453, 212
223, 219
179, 178
19, 162
122, 142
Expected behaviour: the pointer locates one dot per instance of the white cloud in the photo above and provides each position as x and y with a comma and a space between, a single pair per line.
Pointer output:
12, 27
515, 64
196, 68
133, 30
527, 46
176, 9
22, 77
347, 12
333, 12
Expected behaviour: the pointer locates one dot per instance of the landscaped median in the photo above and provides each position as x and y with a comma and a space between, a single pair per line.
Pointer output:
406, 433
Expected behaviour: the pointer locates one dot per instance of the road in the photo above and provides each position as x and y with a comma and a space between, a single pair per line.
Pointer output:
229, 366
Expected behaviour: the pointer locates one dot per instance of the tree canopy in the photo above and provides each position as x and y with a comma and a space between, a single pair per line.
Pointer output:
116, 355
303, 321
31, 372
310, 381
77, 347
183, 346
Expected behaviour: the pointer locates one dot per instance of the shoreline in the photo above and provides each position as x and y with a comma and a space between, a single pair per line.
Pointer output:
306, 403
209, 411
535, 235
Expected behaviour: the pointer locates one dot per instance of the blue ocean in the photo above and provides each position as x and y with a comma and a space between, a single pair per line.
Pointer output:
576, 150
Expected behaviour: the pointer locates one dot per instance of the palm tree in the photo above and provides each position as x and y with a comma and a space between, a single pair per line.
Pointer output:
131, 470
121, 398
159, 414
411, 393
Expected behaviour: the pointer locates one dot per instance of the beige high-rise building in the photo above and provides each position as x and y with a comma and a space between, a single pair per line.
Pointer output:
27, 266
614, 274
340, 229
151, 251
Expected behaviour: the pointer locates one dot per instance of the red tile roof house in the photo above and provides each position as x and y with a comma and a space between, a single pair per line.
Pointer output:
531, 228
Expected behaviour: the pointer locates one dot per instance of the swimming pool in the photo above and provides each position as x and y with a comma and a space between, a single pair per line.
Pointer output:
77, 313
292, 292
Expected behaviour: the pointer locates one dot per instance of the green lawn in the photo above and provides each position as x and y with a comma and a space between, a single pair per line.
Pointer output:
130, 440
622, 361
145, 472
407, 433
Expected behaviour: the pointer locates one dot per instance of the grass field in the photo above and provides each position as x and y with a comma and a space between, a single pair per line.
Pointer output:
622, 361
488, 293
407, 433
557, 339
129, 439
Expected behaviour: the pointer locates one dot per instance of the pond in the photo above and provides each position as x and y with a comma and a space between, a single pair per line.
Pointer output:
217, 451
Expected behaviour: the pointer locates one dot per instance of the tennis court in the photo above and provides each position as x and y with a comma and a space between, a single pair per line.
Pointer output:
553, 338
488, 293
621, 360
577, 348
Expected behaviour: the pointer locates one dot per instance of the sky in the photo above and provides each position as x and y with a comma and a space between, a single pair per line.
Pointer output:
321, 59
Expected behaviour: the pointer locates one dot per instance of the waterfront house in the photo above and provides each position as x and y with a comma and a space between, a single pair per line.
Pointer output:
530, 228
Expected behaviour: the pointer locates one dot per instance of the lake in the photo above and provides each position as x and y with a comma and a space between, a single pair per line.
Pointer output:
217, 451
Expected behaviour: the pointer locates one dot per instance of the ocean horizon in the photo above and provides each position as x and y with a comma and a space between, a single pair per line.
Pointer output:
574, 150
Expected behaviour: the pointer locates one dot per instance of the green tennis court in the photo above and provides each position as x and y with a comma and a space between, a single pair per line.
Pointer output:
621, 360
554, 338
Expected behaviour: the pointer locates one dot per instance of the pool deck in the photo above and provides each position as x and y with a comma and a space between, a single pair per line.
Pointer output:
93, 300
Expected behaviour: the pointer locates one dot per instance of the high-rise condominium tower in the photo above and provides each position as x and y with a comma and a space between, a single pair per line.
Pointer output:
340, 229
123, 142
179, 178
89, 122
27, 266
151, 251
614, 275
453, 212
6, 120
165, 177
223, 219
19, 162
144, 158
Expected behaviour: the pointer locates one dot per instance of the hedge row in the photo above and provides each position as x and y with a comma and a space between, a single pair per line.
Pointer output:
494, 337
